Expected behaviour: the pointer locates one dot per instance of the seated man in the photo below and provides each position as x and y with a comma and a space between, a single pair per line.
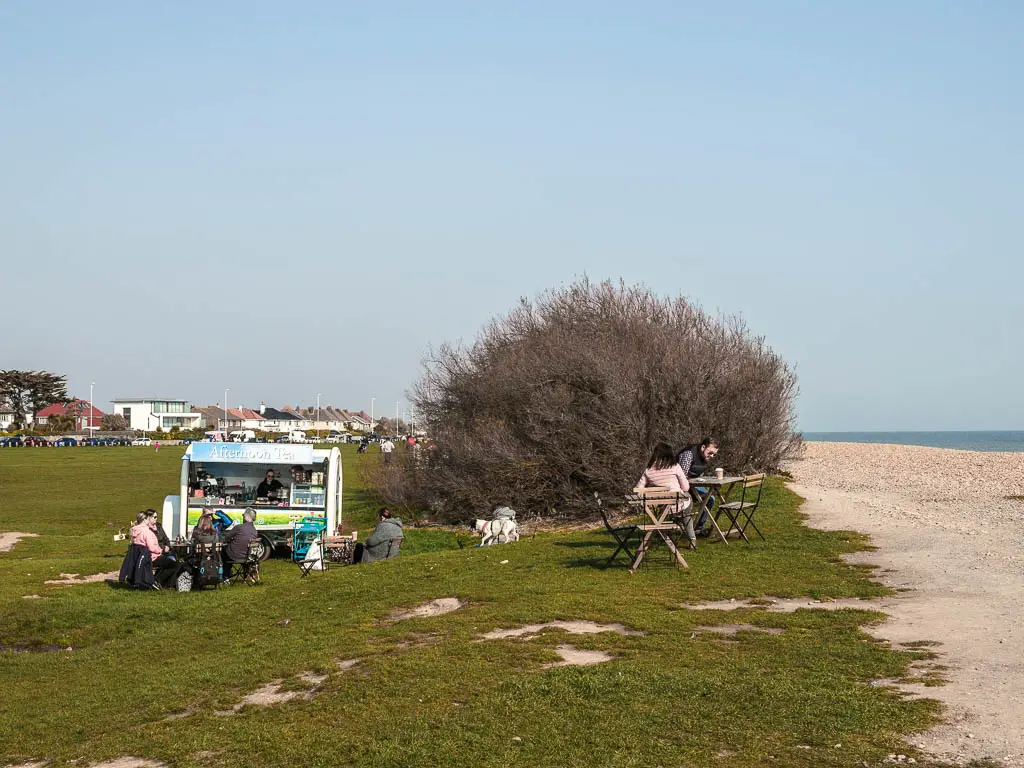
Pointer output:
236, 542
695, 460
378, 545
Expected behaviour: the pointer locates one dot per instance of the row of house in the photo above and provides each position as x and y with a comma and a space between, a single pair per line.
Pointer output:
286, 419
149, 414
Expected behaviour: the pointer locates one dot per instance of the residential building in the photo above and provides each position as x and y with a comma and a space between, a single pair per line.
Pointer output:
301, 422
277, 421
245, 418
6, 418
149, 414
86, 416
360, 421
212, 416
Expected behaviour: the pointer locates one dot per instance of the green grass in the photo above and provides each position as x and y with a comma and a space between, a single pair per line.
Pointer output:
425, 692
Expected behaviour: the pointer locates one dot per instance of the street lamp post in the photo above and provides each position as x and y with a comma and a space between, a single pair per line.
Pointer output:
398, 407
318, 417
88, 419
226, 411
372, 401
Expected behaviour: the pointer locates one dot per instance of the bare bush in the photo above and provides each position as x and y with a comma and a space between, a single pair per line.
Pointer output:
567, 394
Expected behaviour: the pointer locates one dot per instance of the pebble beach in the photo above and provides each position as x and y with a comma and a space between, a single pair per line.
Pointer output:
949, 530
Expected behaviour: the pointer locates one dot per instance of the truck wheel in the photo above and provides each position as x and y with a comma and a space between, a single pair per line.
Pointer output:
184, 581
265, 549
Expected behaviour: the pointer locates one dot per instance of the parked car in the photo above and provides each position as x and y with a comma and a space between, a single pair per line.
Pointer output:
282, 439
187, 440
36, 442
12, 442
142, 441
64, 442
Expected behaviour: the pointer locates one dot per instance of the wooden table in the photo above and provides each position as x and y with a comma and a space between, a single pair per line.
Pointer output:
717, 488
658, 505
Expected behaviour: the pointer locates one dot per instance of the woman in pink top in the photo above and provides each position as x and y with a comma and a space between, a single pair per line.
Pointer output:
663, 471
144, 535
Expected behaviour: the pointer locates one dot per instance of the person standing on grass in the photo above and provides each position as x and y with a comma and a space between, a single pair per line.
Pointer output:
695, 460
663, 471
387, 448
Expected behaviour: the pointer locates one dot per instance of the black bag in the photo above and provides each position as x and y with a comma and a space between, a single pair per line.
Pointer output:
137, 568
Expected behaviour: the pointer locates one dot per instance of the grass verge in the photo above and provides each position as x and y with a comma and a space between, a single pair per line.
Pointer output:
148, 673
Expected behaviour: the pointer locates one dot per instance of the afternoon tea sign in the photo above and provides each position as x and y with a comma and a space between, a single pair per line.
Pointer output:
252, 453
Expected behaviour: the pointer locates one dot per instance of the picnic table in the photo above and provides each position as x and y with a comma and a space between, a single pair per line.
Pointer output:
658, 505
715, 488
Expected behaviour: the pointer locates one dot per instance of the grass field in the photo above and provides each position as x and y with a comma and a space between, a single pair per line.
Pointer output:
426, 691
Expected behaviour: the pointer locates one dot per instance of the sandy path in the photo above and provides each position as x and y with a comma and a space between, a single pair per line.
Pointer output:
959, 551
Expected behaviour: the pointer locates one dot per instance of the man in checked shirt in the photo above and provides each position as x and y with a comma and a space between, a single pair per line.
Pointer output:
695, 461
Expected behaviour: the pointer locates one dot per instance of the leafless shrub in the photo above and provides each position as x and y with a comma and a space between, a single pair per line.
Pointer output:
567, 394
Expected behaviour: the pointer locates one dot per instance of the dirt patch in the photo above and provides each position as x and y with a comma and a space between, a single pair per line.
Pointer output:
128, 762
274, 693
9, 539
31, 597
73, 579
437, 607
958, 564
346, 664
789, 605
574, 657
37, 764
730, 630
530, 631
27, 648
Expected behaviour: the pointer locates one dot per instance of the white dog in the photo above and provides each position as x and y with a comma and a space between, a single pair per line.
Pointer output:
500, 531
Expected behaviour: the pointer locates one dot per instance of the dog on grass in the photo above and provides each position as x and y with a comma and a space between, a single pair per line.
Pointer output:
501, 530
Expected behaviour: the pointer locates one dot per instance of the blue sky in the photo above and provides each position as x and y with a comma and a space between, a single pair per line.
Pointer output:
287, 200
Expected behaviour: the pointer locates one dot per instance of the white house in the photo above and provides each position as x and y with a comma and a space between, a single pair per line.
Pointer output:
6, 418
148, 414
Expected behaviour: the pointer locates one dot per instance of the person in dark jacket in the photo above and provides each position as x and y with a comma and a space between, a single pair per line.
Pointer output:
236, 542
695, 460
137, 567
204, 532
379, 546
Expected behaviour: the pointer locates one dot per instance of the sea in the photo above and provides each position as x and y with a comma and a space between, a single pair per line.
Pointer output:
965, 441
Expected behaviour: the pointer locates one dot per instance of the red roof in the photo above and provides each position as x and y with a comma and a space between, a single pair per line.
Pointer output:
244, 414
77, 408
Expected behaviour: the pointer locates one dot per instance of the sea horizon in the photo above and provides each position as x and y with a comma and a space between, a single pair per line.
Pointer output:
1010, 441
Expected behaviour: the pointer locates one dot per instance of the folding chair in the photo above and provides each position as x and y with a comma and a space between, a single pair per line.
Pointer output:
308, 533
741, 512
307, 564
623, 534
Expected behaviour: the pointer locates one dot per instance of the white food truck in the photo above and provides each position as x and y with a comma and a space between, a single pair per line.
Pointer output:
226, 477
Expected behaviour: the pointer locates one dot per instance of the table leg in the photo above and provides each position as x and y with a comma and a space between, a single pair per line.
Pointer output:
713, 492
673, 548
642, 550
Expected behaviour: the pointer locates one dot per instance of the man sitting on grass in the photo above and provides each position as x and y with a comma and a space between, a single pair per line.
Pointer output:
378, 545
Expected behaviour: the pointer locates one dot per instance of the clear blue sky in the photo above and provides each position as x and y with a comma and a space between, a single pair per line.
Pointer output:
287, 199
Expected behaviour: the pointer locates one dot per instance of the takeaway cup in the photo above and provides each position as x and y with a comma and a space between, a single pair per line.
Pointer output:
719, 473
